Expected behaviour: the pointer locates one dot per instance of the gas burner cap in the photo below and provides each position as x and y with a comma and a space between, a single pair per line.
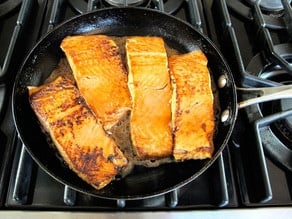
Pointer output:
125, 2
269, 5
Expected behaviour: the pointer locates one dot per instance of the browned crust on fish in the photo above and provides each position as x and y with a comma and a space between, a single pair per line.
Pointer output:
76, 133
192, 106
100, 75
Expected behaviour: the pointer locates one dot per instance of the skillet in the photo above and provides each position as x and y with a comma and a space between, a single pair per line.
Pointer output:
142, 182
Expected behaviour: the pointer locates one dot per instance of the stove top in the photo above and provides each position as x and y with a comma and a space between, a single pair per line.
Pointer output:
255, 167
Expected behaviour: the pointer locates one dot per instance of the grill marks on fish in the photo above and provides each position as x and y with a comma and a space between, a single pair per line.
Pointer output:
100, 75
76, 132
192, 106
150, 89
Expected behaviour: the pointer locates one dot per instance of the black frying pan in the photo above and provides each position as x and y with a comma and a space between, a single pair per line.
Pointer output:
142, 182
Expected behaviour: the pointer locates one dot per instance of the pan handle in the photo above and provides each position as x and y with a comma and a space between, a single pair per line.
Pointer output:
265, 94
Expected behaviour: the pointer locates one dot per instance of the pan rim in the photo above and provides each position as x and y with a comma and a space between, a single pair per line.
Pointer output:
132, 197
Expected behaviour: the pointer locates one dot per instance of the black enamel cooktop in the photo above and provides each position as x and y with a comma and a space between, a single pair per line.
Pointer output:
255, 167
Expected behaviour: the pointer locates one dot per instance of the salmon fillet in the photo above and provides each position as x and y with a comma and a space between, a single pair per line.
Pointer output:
150, 88
100, 75
192, 106
77, 134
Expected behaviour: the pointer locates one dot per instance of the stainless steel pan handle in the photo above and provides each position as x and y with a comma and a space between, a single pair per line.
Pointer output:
265, 94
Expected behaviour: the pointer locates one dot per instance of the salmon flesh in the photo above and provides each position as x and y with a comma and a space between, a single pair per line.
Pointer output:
150, 88
76, 132
100, 75
192, 106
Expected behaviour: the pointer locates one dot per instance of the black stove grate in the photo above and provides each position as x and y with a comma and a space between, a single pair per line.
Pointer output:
272, 61
267, 46
8, 6
243, 175
31, 188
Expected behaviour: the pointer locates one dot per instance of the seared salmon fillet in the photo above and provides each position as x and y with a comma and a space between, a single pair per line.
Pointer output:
76, 133
100, 75
192, 106
150, 88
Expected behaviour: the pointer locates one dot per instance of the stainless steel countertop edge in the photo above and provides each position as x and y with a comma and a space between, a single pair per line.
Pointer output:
267, 213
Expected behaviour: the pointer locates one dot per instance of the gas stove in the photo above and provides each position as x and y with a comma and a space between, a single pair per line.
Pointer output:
254, 170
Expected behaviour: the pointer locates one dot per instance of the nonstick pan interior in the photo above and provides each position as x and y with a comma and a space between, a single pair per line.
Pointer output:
142, 182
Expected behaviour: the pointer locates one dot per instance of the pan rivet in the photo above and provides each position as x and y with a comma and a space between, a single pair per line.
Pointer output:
225, 115
222, 81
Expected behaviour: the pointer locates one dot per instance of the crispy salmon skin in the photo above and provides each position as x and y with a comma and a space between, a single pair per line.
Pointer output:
76, 133
149, 84
192, 106
100, 75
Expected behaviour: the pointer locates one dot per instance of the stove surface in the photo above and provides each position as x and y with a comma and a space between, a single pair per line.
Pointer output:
256, 42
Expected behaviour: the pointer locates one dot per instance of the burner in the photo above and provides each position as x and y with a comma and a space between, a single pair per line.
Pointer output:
267, 136
169, 6
8, 6
272, 14
125, 2
282, 127
269, 5
285, 125
274, 118
82, 6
